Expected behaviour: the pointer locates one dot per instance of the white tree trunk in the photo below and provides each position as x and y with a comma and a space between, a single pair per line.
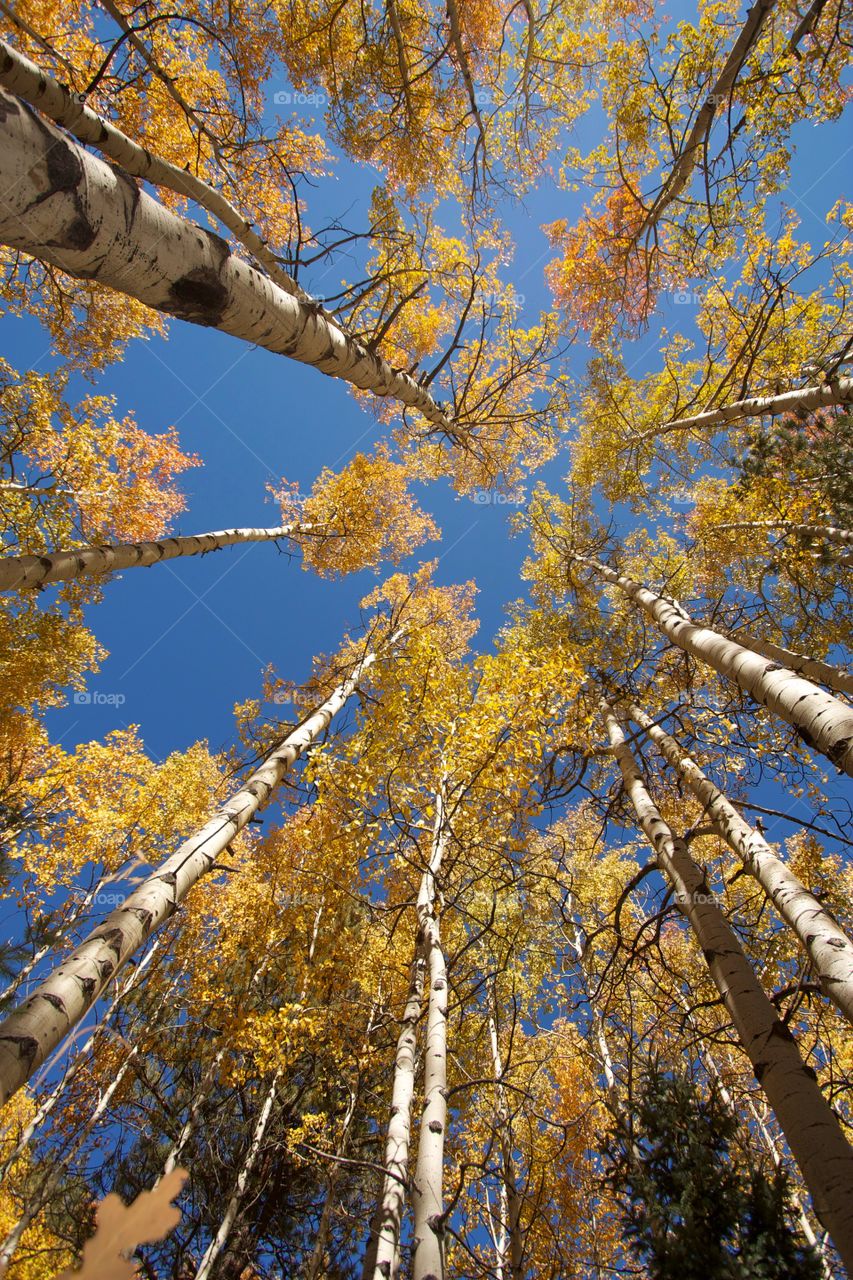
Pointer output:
766, 1136
809, 1124
30, 1033
822, 721
428, 1189
812, 668
825, 532
21, 572
80, 1059
838, 391
383, 1253
827, 945
22, 77
70, 208
226, 1226
509, 1244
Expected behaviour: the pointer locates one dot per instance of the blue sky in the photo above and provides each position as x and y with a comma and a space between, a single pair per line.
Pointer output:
189, 638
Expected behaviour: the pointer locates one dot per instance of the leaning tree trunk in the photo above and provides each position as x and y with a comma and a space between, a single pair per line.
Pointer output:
30, 1033
827, 945
767, 1137
812, 668
428, 1190
46, 1106
22, 77
809, 1124
691, 149
838, 391
21, 572
813, 532
824, 722
69, 208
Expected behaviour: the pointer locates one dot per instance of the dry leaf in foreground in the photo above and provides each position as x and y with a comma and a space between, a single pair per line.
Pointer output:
122, 1227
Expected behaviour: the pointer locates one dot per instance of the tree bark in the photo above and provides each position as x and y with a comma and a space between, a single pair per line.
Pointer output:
509, 1244
838, 391
812, 668
827, 532
71, 209
30, 1033
808, 1122
383, 1253
823, 722
27, 80
428, 1190
23, 572
827, 945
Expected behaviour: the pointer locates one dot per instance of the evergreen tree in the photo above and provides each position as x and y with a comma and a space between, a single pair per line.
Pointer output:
689, 1210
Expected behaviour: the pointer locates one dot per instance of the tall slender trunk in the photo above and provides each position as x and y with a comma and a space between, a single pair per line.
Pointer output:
89, 219
509, 1243
31, 1032
822, 721
809, 1124
22, 572
428, 1188
827, 945
812, 668
382, 1257
838, 391
226, 1226
766, 1137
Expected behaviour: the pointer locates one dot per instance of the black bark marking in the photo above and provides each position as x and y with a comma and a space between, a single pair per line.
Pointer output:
27, 1047
435, 1126
199, 296
8, 107
87, 986
64, 177
114, 938
54, 1002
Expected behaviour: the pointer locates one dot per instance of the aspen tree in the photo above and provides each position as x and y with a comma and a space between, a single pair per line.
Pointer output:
30, 1033
428, 1184
23, 572
822, 721
810, 1126
92, 222
828, 947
